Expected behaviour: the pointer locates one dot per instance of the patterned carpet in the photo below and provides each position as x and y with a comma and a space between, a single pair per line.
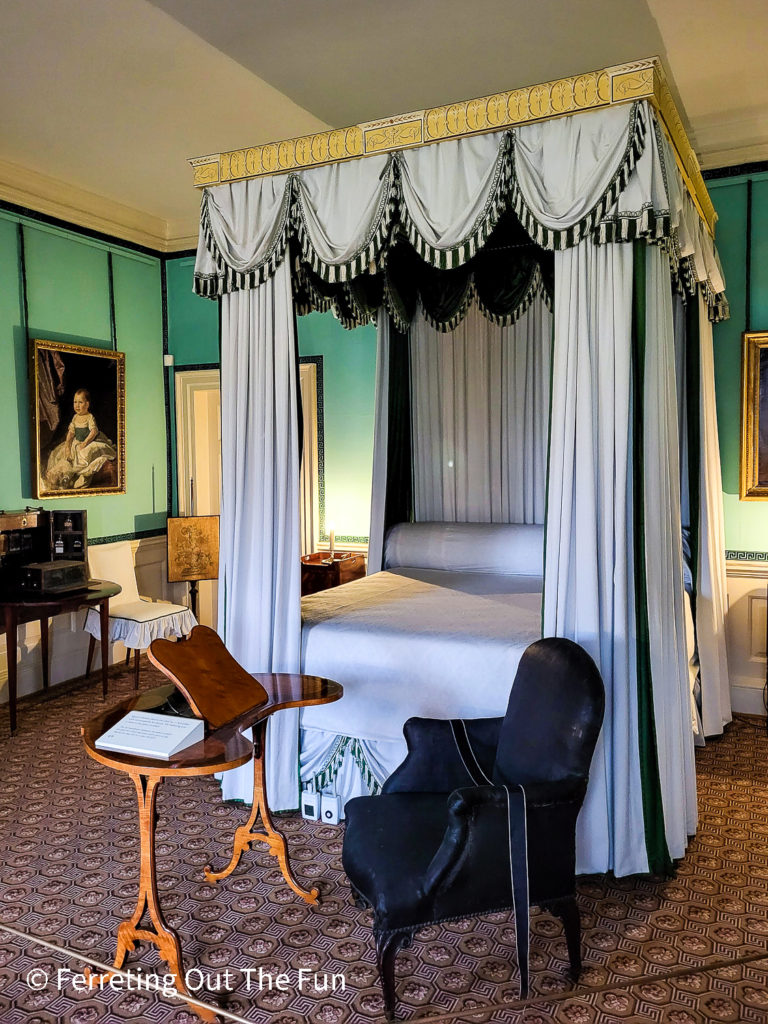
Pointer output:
690, 950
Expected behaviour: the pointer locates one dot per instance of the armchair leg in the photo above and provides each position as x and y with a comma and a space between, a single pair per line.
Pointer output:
91, 649
387, 945
568, 911
136, 654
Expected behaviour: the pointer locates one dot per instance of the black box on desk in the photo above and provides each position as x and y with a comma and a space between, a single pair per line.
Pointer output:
52, 577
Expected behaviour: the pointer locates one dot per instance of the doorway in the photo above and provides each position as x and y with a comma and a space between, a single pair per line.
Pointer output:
198, 461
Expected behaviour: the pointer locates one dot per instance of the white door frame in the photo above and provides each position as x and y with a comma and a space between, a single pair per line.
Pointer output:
187, 382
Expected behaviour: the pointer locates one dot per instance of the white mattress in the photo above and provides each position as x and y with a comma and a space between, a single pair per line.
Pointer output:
423, 642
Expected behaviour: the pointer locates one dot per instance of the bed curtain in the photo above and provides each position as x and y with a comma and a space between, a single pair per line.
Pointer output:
584, 187
480, 416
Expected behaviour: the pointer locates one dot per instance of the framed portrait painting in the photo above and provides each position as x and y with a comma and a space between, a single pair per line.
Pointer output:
78, 419
754, 416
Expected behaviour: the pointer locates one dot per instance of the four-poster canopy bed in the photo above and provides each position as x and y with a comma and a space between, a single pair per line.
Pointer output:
541, 268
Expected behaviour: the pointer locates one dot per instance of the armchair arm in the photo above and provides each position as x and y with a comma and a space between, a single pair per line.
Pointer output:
476, 841
436, 763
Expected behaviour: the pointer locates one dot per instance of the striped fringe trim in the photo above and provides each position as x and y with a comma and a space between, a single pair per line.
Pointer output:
364, 768
229, 280
446, 326
535, 288
646, 223
394, 307
552, 238
495, 205
330, 770
368, 254
685, 280
327, 774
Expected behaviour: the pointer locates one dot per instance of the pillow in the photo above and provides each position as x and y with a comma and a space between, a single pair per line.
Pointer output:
512, 549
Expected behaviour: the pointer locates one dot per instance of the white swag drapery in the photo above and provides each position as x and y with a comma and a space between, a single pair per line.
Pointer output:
603, 174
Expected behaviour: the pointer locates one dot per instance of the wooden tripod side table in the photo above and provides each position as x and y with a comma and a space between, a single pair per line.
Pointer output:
284, 690
222, 692
213, 754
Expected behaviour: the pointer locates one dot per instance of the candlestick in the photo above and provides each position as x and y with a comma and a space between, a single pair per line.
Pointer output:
331, 541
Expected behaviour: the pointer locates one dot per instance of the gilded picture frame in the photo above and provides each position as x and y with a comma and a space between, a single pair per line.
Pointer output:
754, 417
77, 405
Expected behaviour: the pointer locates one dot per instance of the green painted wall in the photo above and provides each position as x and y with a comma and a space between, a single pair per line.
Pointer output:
349, 375
746, 522
193, 323
68, 299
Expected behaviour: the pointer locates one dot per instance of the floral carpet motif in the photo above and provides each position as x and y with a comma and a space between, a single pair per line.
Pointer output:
689, 950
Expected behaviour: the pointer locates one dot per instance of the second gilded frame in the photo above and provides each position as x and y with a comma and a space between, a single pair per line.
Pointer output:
78, 419
754, 417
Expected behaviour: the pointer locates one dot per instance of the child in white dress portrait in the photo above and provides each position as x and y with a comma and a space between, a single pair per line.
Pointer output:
84, 451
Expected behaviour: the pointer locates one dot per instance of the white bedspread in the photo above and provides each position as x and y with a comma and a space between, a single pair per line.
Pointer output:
417, 642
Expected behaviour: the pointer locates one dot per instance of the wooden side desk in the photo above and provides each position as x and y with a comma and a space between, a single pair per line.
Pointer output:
213, 754
321, 572
17, 608
229, 699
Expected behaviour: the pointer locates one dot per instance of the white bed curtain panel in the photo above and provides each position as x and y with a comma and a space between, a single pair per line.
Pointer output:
480, 403
664, 559
589, 567
380, 445
259, 582
711, 583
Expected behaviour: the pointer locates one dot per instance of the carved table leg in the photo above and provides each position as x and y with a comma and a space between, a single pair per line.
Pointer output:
104, 630
11, 625
274, 839
44, 649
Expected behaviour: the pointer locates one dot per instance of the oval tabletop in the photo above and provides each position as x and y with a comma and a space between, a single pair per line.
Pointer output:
213, 754
95, 592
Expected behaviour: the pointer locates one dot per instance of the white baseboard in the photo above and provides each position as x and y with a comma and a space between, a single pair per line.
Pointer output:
747, 700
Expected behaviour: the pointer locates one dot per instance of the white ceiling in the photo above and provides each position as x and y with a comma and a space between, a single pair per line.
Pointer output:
103, 101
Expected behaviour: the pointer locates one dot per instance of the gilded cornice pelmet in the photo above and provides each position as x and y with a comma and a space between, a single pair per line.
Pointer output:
623, 83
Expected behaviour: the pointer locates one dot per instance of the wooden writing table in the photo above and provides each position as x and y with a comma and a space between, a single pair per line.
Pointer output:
17, 608
220, 691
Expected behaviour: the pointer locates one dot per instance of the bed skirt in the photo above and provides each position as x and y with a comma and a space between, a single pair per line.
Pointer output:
345, 765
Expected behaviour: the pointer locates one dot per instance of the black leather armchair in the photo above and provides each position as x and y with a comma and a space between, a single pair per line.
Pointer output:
481, 815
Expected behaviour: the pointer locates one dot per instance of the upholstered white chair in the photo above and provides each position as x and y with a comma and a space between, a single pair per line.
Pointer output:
133, 620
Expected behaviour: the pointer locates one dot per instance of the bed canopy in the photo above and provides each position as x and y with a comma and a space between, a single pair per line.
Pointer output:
572, 215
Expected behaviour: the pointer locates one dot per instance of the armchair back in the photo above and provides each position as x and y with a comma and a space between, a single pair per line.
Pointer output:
553, 717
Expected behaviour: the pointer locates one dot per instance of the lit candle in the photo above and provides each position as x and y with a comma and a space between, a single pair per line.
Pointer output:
330, 532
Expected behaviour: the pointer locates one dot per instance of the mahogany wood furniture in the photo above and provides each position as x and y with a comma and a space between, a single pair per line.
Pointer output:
18, 608
321, 572
221, 691
215, 753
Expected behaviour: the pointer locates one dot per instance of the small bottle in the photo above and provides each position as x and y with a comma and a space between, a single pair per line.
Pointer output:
77, 545
58, 546
68, 523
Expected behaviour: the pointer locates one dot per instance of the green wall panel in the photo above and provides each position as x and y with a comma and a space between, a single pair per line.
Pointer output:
68, 295
349, 372
746, 522
193, 323
67, 288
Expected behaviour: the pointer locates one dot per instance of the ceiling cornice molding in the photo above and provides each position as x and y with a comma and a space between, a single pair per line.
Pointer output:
622, 83
34, 191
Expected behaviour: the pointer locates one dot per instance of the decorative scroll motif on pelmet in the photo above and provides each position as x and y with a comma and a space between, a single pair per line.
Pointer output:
353, 228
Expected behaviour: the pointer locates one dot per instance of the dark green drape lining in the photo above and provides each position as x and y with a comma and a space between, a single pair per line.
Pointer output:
499, 274
398, 503
693, 412
659, 861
